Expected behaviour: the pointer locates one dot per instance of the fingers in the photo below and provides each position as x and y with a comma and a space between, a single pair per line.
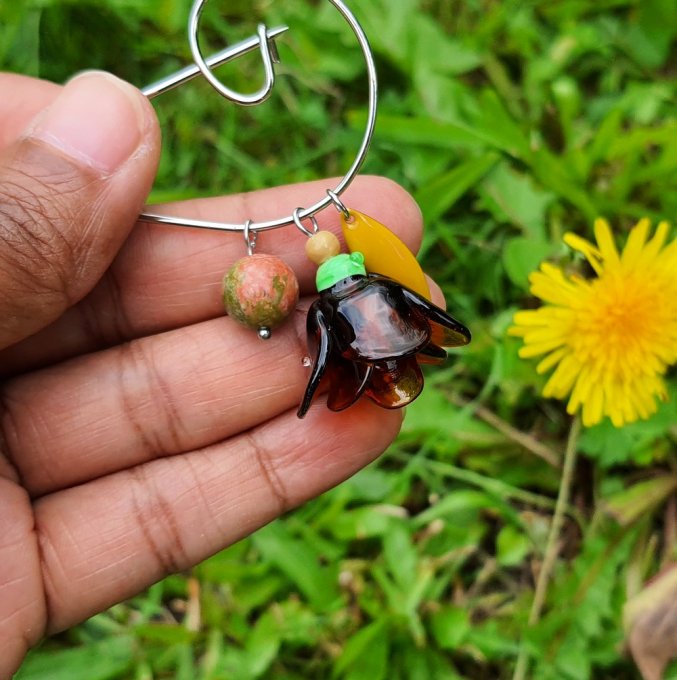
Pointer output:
70, 188
26, 97
22, 614
155, 397
168, 277
106, 540
437, 296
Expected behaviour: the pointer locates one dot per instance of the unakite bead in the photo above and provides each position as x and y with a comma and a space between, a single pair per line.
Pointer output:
260, 291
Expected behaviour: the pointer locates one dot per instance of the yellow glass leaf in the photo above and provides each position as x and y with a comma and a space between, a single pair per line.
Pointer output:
384, 253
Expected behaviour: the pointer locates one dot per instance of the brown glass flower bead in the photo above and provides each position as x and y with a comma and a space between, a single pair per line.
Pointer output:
368, 335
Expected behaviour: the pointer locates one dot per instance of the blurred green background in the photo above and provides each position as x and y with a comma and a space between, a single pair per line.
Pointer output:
511, 122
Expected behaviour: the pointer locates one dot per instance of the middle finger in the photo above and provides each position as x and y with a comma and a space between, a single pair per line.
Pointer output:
153, 397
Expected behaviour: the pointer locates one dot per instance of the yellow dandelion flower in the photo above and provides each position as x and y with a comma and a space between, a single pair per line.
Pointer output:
611, 338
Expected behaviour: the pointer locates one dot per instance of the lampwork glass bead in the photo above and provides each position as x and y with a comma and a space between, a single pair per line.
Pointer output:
368, 334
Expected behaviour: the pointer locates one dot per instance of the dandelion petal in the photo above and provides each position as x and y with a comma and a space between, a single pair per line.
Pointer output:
610, 339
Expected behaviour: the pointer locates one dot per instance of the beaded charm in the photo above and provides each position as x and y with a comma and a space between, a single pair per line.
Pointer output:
260, 291
368, 332
374, 321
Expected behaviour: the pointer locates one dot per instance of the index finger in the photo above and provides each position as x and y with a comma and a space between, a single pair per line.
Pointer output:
21, 99
168, 277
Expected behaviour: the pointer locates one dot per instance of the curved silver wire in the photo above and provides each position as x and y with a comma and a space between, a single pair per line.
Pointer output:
343, 183
297, 221
266, 52
228, 54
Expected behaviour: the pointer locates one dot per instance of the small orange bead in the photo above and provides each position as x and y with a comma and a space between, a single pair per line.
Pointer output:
322, 246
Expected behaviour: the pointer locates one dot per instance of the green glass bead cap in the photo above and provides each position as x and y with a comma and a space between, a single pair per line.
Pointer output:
339, 267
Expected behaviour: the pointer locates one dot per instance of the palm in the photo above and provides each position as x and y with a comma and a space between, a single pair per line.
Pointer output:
142, 431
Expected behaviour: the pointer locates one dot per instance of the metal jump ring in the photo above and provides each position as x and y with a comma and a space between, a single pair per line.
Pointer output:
348, 177
297, 221
339, 204
250, 237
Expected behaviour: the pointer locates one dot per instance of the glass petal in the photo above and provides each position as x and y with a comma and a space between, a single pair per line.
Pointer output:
375, 322
431, 354
320, 344
446, 331
347, 380
395, 383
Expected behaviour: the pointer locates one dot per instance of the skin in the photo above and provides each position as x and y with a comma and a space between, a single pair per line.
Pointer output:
141, 430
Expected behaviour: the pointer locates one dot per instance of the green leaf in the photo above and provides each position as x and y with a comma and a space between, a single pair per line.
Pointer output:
111, 658
365, 655
639, 500
300, 564
649, 39
512, 546
491, 641
164, 633
567, 95
299, 624
490, 126
460, 507
20, 38
450, 626
423, 664
639, 138
263, 644
370, 484
573, 660
605, 136
432, 415
492, 123
400, 555
641, 442
421, 131
361, 523
522, 256
593, 592
431, 46
513, 197
552, 173
442, 193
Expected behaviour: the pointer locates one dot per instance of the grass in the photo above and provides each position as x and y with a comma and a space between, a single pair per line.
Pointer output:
511, 122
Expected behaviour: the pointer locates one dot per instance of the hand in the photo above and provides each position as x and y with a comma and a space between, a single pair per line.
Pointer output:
140, 429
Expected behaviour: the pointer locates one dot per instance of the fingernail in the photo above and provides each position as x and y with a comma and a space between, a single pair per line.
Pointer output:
98, 120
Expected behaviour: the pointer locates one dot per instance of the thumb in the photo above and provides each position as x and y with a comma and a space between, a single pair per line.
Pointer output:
70, 191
